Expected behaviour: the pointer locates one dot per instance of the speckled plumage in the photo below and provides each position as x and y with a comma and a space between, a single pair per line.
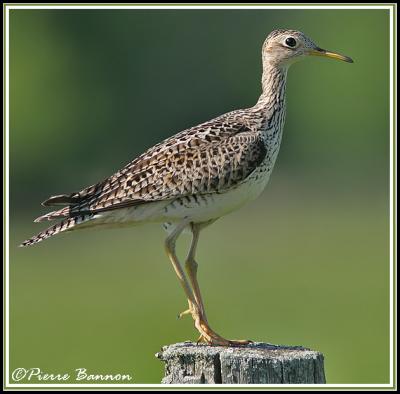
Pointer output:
190, 171
202, 172
191, 179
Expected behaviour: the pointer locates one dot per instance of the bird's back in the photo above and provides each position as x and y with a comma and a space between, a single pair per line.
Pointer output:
198, 168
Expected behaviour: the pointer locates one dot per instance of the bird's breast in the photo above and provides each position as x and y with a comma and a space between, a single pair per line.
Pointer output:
205, 207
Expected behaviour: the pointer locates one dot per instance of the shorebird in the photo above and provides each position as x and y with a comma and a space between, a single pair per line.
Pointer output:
193, 178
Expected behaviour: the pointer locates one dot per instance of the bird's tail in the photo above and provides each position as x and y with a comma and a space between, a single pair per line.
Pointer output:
62, 199
59, 214
69, 215
64, 225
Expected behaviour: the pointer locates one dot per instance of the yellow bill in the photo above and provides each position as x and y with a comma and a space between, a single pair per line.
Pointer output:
332, 55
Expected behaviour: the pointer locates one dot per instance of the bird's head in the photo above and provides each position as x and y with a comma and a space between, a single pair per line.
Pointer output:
284, 47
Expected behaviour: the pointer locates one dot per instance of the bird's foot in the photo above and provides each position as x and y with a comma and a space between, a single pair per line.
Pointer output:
207, 335
184, 313
192, 310
210, 337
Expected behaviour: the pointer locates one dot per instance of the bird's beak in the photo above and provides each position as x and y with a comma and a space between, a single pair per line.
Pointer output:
332, 55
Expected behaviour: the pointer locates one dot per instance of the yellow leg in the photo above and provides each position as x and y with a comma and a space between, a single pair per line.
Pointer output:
191, 269
170, 249
206, 333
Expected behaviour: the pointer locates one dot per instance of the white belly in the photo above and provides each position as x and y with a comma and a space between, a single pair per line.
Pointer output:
212, 206
199, 208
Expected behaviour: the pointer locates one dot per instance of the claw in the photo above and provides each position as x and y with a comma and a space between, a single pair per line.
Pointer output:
187, 312
240, 342
201, 339
210, 337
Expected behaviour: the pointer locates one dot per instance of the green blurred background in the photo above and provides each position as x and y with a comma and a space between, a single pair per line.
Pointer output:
307, 263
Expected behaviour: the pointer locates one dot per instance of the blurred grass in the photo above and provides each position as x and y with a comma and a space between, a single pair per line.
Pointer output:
284, 270
308, 263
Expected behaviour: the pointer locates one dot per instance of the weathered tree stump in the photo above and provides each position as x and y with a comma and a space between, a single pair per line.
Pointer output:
257, 363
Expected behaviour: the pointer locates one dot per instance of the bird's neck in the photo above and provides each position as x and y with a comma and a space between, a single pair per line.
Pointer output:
271, 104
273, 86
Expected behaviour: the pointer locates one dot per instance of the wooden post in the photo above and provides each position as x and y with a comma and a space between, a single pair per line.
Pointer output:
262, 363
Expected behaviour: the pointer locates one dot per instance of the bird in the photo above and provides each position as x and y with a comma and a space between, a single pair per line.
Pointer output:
196, 176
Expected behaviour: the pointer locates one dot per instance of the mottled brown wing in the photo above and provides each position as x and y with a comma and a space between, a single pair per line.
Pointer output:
207, 162
214, 168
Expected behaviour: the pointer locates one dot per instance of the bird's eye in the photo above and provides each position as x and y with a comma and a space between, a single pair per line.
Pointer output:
290, 42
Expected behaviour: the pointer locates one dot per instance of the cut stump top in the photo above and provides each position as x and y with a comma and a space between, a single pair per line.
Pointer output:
256, 363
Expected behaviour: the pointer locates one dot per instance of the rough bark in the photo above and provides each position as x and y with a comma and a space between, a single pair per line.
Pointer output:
257, 363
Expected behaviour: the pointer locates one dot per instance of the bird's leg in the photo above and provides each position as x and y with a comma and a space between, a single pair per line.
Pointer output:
200, 320
191, 269
170, 248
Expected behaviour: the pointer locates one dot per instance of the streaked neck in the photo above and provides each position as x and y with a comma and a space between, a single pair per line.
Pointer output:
273, 87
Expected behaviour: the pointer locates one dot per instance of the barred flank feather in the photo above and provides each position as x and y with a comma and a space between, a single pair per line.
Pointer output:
62, 199
64, 225
61, 213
